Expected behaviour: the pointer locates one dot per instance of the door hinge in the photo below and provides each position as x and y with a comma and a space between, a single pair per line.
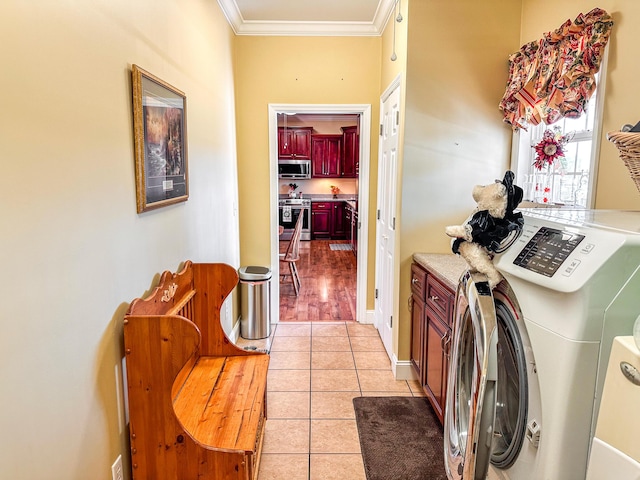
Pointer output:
393, 224
391, 321
378, 214
376, 293
381, 129
398, 117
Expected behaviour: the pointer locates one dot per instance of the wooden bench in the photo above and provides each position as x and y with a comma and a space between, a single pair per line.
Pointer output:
197, 404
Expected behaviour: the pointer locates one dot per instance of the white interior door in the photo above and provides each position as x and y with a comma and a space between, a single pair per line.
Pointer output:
385, 224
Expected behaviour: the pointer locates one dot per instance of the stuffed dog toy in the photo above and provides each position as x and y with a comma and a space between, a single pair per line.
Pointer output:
493, 220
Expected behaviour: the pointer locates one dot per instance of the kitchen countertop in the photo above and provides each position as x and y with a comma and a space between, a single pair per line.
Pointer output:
448, 266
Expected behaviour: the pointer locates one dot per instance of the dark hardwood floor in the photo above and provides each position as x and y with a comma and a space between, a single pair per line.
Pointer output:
328, 280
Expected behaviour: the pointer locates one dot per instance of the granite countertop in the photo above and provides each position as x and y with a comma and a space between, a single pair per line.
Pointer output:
447, 266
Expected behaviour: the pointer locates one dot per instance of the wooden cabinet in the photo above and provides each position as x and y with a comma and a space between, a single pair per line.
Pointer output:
338, 224
294, 143
327, 220
432, 308
354, 232
350, 152
326, 154
321, 220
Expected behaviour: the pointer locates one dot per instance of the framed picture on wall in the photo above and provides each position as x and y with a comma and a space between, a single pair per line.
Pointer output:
160, 138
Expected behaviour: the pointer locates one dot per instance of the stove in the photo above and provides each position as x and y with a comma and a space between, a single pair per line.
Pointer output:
289, 209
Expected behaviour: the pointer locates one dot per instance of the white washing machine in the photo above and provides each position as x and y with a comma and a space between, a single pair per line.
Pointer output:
529, 358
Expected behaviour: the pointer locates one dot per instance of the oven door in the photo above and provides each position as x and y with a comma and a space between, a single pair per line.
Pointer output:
287, 218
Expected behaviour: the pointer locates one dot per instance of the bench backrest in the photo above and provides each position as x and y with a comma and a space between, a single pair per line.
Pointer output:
197, 293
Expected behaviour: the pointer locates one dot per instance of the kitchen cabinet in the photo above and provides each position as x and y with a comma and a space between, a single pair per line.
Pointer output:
338, 224
320, 220
350, 152
326, 153
351, 226
294, 143
327, 220
432, 305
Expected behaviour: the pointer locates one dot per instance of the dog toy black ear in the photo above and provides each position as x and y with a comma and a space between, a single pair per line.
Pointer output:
514, 192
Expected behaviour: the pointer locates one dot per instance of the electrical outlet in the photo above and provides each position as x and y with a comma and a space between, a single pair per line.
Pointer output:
116, 469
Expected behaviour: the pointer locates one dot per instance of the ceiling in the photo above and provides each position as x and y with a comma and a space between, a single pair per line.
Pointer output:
308, 17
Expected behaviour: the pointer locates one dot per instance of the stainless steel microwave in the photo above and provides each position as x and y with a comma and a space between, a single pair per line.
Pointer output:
295, 169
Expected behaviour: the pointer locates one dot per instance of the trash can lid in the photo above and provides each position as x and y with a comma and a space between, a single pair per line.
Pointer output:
254, 272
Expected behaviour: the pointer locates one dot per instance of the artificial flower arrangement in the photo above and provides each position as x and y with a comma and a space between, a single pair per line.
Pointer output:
550, 148
335, 190
292, 190
549, 151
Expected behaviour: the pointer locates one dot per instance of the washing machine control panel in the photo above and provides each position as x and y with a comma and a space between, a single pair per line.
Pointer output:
547, 250
561, 256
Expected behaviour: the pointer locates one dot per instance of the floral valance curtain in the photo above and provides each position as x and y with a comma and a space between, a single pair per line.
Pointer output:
553, 77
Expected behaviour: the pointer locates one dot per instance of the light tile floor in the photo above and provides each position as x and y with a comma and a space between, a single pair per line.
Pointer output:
316, 370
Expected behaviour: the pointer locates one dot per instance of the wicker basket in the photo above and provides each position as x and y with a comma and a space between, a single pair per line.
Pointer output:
628, 144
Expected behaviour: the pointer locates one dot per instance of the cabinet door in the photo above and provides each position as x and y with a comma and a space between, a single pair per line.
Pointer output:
321, 220
354, 233
326, 152
350, 152
347, 223
285, 144
318, 149
334, 156
338, 230
417, 336
436, 363
301, 140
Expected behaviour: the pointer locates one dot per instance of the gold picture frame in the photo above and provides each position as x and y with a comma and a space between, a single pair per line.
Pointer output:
160, 141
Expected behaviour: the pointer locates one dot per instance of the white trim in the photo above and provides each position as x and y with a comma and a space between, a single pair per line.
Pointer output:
402, 369
597, 129
241, 26
364, 110
395, 83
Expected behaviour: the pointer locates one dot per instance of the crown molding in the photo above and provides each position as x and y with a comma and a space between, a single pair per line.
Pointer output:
241, 26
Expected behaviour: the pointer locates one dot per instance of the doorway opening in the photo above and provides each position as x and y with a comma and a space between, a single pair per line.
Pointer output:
308, 177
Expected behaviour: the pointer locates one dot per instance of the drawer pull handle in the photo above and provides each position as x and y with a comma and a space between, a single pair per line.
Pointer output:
445, 344
414, 280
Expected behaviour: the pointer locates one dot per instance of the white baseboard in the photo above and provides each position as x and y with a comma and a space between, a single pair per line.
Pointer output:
369, 317
402, 369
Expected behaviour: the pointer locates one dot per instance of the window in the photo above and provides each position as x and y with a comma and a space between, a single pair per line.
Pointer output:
570, 182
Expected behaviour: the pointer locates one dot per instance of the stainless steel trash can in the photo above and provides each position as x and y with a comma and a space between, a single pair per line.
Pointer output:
255, 299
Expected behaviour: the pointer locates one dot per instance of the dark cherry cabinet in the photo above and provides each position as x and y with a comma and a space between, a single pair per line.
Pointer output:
294, 143
350, 152
321, 220
431, 306
328, 220
338, 223
326, 153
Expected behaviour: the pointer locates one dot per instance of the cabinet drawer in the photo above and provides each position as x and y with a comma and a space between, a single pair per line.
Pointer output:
418, 281
320, 206
439, 298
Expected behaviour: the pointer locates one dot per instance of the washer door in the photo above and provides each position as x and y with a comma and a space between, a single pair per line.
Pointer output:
473, 373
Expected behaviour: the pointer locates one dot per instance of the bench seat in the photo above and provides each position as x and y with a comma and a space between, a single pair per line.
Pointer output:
197, 402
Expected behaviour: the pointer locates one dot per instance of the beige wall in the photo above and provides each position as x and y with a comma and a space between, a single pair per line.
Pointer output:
615, 189
454, 137
287, 70
73, 251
